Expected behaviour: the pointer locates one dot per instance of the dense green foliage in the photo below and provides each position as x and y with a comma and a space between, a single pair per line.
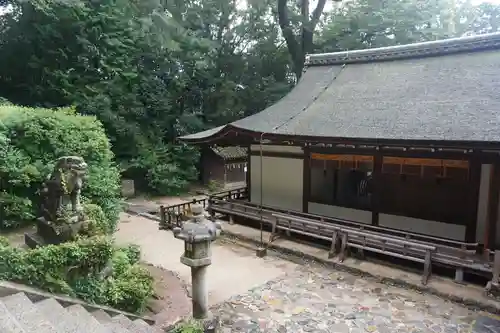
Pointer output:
75, 269
31, 139
153, 70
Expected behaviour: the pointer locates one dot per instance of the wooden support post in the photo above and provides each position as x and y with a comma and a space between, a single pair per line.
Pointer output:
459, 275
248, 175
473, 197
231, 219
163, 218
333, 246
306, 178
272, 236
496, 268
427, 267
490, 241
343, 247
376, 187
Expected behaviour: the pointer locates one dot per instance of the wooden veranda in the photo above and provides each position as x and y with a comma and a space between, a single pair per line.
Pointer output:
344, 234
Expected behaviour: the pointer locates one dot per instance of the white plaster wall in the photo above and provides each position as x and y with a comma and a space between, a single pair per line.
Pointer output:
482, 205
278, 149
426, 227
282, 182
356, 215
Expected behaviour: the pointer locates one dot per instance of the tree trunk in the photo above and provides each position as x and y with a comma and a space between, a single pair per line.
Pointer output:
296, 49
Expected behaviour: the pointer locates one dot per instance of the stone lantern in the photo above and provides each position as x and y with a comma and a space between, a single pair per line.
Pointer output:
198, 233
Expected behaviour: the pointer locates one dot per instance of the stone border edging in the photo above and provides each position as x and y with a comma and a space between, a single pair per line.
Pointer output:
130, 211
299, 256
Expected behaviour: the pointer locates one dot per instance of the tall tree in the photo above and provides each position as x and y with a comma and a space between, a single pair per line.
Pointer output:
400, 22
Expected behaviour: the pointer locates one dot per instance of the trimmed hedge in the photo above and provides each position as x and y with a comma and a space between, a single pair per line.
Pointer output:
31, 139
75, 269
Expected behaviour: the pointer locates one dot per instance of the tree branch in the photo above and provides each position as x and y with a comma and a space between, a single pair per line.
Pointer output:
320, 7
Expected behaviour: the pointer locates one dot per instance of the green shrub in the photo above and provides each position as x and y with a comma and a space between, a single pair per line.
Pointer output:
133, 253
30, 142
214, 186
169, 169
4, 241
130, 290
41, 267
191, 326
99, 224
75, 268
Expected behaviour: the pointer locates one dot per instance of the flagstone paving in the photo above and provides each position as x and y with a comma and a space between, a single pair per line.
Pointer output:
316, 299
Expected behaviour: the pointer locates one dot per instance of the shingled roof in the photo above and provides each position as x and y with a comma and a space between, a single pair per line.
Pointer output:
230, 153
446, 90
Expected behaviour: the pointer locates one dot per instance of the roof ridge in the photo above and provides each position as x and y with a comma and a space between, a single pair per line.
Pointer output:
422, 49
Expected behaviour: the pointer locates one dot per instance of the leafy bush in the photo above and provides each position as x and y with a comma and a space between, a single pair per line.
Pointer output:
133, 253
4, 241
170, 168
214, 186
75, 269
30, 142
99, 224
191, 326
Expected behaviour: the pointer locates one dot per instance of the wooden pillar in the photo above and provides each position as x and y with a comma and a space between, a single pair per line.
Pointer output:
377, 186
492, 215
247, 175
306, 178
225, 166
473, 198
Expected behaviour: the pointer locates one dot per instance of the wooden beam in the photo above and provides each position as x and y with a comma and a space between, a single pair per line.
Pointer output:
277, 154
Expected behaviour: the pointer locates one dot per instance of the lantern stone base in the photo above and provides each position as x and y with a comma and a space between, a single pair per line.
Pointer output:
493, 289
261, 252
210, 324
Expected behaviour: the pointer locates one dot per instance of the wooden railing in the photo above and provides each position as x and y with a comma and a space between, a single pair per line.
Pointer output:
458, 255
171, 216
249, 207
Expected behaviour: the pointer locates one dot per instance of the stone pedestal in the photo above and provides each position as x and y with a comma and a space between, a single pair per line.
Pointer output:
46, 233
493, 289
128, 188
261, 252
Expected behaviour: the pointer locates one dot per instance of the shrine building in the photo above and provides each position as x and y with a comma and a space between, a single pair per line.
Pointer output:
404, 138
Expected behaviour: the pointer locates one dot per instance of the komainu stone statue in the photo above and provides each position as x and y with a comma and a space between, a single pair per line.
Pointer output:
61, 212
61, 192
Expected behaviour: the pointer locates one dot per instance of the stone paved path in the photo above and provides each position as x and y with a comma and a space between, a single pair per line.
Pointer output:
316, 299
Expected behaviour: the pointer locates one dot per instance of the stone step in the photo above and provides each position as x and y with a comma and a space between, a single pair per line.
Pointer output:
59, 317
18, 314
86, 320
146, 327
8, 324
134, 326
101, 316
27, 314
116, 327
